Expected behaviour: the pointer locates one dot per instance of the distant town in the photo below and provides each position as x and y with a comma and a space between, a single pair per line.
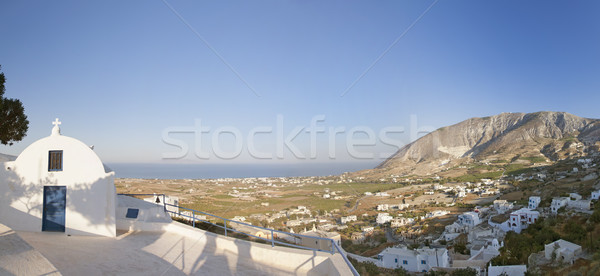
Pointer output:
416, 224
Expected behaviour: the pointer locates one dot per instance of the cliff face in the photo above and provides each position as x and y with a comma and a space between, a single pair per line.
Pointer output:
554, 135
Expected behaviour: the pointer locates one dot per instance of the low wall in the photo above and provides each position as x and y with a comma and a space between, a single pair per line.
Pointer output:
298, 261
303, 262
151, 217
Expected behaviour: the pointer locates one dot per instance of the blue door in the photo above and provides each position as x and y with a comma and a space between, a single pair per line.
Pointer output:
53, 218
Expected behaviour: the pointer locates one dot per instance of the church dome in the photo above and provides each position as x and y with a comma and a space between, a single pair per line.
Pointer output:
59, 158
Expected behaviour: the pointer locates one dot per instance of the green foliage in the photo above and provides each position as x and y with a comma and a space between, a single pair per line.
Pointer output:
478, 176
364, 268
595, 218
518, 247
516, 169
414, 246
401, 272
464, 272
461, 248
13, 121
574, 231
534, 159
435, 273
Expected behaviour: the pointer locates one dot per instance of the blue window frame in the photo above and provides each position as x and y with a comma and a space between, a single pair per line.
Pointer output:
404, 262
55, 160
132, 213
423, 262
396, 260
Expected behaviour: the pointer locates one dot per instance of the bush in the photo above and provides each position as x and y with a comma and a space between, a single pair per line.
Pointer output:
464, 272
460, 248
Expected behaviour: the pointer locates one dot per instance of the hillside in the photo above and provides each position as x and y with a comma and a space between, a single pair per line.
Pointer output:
540, 136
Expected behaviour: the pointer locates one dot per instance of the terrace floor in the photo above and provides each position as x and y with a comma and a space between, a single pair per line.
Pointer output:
148, 253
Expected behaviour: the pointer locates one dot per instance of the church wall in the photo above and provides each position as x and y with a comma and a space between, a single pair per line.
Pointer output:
90, 199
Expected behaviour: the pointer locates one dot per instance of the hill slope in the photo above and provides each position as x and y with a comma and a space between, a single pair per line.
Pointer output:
504, 137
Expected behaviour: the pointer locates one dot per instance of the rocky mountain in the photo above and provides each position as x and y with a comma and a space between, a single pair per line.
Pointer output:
548, 136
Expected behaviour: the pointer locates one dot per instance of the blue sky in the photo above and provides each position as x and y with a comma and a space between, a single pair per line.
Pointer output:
118, 73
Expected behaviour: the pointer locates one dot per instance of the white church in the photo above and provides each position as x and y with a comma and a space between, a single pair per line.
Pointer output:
57, 196
58, 184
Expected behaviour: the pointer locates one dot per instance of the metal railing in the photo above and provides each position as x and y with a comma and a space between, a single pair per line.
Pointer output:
277, 237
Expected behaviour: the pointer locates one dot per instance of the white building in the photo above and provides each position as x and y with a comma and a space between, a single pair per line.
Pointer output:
580, 204
534, 202
368, 230
436, 213
575, 196
417, 260
562, 250
239, 218
348, 219
522, 218
470, 219
357, 237
558, 203
312, 239
596, 195
398, 222
400, 206
58, 184
512, 270
383, 207
502, 206
383, 218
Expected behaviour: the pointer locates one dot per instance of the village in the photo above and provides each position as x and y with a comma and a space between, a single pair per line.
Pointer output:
409, 224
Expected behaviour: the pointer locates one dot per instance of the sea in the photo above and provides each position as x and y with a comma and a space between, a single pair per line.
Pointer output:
212, 171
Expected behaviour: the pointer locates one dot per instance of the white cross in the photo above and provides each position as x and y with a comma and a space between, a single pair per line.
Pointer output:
56, 122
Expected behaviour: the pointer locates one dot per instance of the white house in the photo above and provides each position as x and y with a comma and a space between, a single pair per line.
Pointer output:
357, 237
502, 206
558, 203
534, 202
313, 239
382, 194
596, 195
575, 196
470, 219
347, 219
562, 250
398, 222
436, 213
522, 218
383, 207
417, 260
368, 230
58, 184
512, 270
486, 251
580, 204
383, 218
